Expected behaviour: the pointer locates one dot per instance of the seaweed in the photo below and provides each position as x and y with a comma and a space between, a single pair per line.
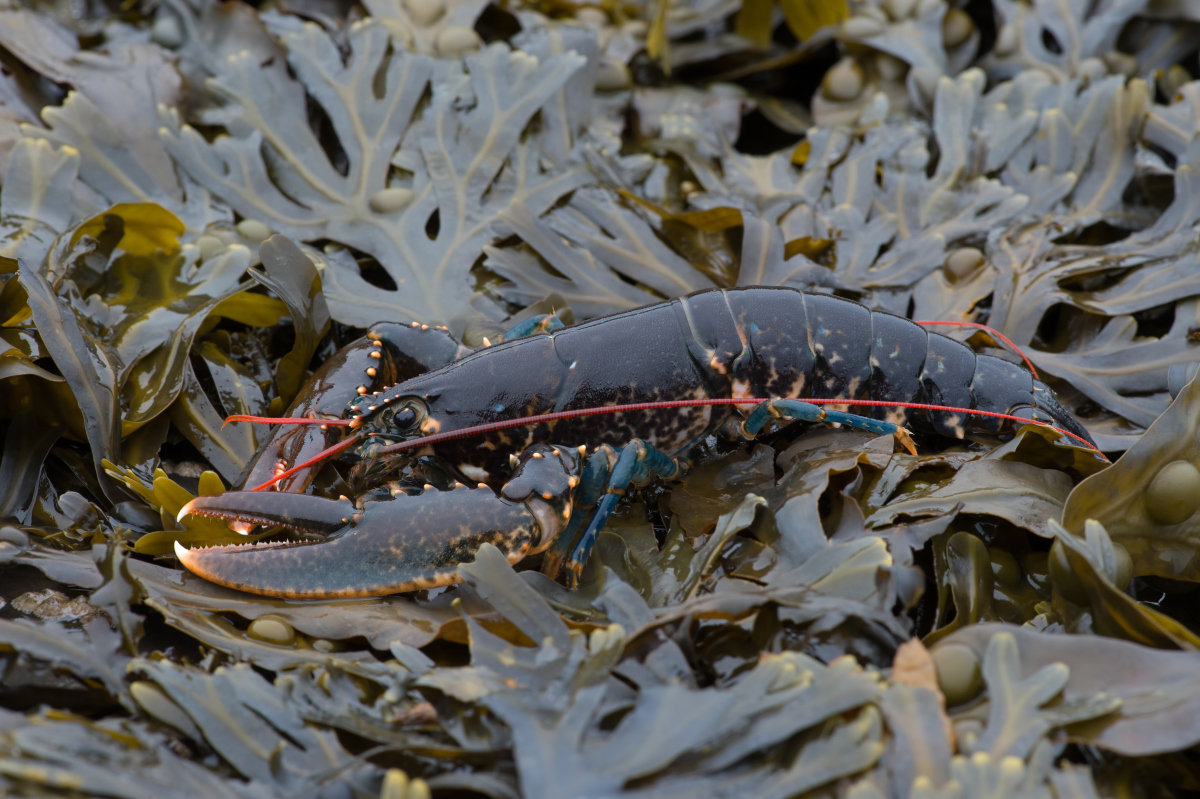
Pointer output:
203, 202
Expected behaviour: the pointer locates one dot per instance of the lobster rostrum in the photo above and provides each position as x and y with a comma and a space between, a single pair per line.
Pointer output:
545, 467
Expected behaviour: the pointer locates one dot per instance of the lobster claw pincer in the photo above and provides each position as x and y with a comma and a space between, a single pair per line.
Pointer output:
406, 544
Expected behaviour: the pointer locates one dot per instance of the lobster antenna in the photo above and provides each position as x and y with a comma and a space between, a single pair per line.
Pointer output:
634, 406
320, 456
646, 406
240, 417
994, 333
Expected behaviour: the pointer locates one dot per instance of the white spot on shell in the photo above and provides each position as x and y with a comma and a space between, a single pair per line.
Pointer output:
474, 472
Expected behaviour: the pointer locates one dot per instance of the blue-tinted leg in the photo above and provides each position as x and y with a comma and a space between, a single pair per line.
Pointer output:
638, 463
592, 483
546, 323
803, 411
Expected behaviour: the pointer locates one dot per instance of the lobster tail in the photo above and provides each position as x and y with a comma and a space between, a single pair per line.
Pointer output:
1047, 403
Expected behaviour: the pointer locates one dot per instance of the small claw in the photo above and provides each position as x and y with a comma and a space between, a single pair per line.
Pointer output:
405, 544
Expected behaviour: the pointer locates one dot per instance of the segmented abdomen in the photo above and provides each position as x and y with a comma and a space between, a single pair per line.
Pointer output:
747, 342
781, 342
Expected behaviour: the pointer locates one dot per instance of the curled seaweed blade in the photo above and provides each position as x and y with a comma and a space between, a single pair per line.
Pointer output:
36, 206
425, 233
1020, 712
1018, 492
964, 577
120, 592
88, 365
1143, 512
26, 445
60, 752
249, 724
1157, 687
229, 448
167, 497
146, 228
1093, 562
152, 302
92, 653
291, 275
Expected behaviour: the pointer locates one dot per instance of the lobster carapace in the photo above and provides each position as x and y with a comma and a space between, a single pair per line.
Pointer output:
551, 485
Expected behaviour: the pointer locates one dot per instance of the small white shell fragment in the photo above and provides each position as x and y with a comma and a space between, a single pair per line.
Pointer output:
401, 34
1006, 40
843, 81
963, 261
425, 12
522, 64
899, 9
636, 28
889, 67
391, 200
591, 17
272, 630
457, 40
1092, 68
253, 230
166, 31
926, 80
209, 245
1119, 63
613, 76
861, 28
957, 28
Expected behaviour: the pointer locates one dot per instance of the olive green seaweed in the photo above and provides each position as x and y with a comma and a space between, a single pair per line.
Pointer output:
202, 202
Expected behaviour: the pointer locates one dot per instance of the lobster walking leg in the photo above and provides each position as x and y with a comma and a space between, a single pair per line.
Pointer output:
639, 463
807, 412
546, 323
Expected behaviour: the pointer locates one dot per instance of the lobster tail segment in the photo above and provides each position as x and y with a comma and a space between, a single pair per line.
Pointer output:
1047, 403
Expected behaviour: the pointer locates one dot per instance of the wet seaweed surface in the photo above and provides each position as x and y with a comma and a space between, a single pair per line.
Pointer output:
202, 201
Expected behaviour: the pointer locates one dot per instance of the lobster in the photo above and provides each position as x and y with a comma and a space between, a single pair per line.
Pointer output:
543, 434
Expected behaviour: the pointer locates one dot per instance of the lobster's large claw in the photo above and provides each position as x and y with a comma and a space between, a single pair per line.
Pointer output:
388, 547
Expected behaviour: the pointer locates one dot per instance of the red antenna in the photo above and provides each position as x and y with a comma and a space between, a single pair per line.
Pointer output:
994, 333
597, 411
320, 456
239, 417
645, 406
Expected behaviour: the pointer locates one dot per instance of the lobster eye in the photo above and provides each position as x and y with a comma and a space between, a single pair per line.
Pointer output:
404, 418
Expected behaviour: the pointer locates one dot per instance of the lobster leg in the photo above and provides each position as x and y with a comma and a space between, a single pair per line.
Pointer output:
803, 411
638, 463
546, 323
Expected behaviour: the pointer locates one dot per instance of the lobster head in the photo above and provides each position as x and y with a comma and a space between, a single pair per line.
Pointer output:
508, 380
